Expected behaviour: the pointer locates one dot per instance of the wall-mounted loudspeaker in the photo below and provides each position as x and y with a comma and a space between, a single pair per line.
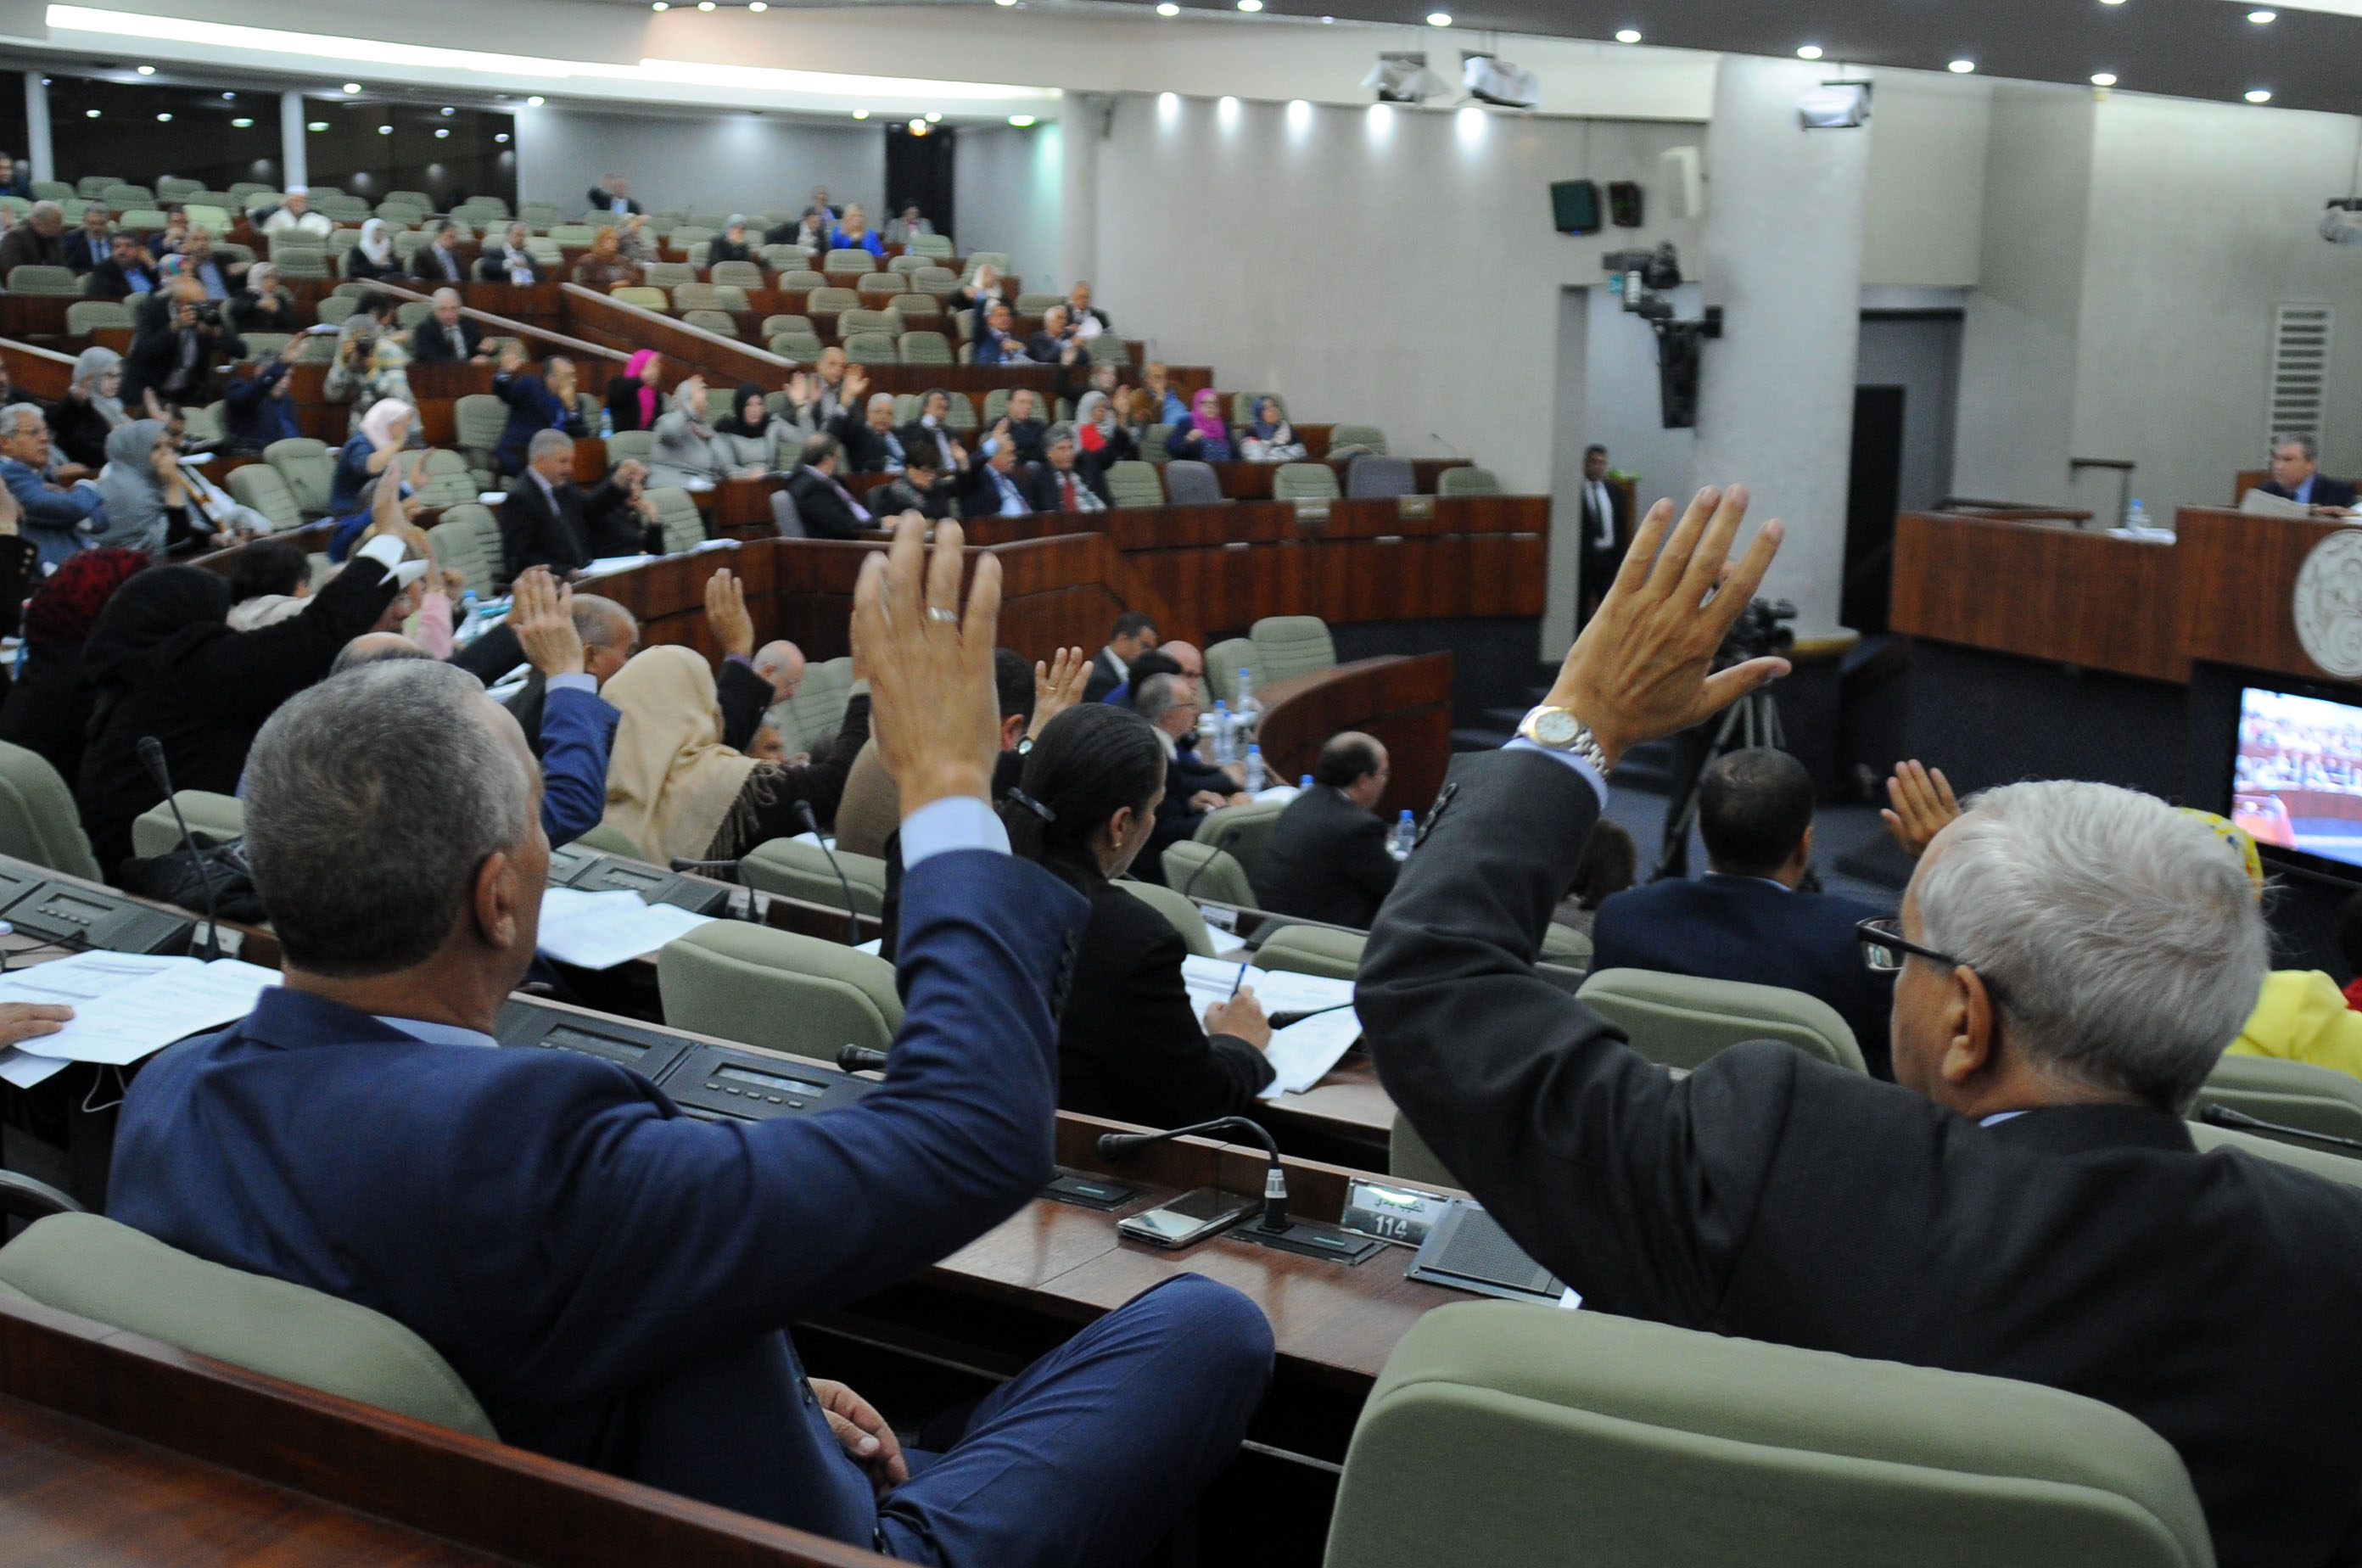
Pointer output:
1682, 181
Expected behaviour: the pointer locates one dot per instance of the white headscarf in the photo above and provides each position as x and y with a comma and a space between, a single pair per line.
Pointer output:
377, 241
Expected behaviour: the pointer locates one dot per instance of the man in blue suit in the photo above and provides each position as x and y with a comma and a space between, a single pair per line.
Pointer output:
1746, 919
613, 1279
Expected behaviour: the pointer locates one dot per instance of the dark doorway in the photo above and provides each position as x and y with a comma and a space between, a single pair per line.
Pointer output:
919, 169
1872, 500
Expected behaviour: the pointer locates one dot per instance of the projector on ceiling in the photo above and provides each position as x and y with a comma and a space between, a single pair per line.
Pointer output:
2341, 222
1495, 80
1403, 78
1835, 106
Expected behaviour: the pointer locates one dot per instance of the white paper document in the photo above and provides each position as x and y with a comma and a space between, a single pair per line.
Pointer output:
1302, 1053
127, 1006
599, 931
2263, 504
607, 566
1278, 793
23, 1071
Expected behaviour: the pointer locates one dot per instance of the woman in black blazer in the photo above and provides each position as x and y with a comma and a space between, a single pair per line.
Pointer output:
1129, 1047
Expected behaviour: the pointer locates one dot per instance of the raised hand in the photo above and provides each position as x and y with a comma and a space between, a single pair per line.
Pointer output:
541, 612
725, 611
1644, 666
1923, 803
1058, 686
933, 713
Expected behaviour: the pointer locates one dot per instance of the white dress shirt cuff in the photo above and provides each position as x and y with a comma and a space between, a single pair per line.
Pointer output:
955, 821
572, 680
1571, 759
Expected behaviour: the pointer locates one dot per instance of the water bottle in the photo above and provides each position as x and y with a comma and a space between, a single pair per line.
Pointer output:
1249, 710
1225, 749
1303, 783
2136, 516
1406, 834
1254, 768
606, 423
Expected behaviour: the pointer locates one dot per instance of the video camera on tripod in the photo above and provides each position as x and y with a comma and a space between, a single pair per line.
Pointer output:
1762, 630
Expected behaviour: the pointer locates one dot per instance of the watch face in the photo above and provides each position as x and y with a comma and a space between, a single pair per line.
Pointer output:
1556, 727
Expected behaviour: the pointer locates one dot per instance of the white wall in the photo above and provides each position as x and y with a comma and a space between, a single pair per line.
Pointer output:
725, 162
1396, 268
1924, 215
1011, 188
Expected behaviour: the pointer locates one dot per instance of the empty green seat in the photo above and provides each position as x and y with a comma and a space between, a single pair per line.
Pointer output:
1680, 1021
871, 348
218, 817
667, 274
862, 318
478, 420
1516, 1436
720, 323
1365, 436
849, 262
1313, 950
258, 485
778, 989
798, 869
1134, 483
1304, 482
801, 347
86, 316
800, 277
110, 1274
831, 302
444, 480
38, 820
308, 469
630, 444
915, 307
1287, 645
738, 274
925, 348
641, 295
1466, 478
678, 517
1202, 871
34, 279
879, 287
468, 540
2295, 1094
1180, 912
1223, 662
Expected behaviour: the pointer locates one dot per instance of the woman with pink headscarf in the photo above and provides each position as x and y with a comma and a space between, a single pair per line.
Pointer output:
1205, 437
636, 397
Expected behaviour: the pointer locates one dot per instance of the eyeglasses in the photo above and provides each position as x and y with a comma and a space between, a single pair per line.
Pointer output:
1883, 947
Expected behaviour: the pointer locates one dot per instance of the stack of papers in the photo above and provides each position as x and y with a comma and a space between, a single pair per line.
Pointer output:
1278, 794
1302, 1053
127, 1006
607, 566
599, 931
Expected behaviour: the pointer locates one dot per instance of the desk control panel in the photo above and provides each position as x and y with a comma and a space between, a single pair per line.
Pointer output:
650, 1053
74, 912
591, 872
715, 1080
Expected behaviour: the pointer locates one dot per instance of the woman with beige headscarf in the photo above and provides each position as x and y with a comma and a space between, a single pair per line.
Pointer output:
676, 792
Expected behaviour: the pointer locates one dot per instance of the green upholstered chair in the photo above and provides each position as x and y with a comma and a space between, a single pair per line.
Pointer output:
35, 279
337, 309
630, 444
1369, 438
850, 259
218, 817
1242, 405
1513, 1435
1242, 830
677, 515
1467, 479
641, 295
801, 870
2298, 1094
995, 260
782, 322
307, 466
803, 347
875, 288
1207, 873
737, 275
1182, 912
1681, 1020
469, 540
1134, 483
110, 1274
1287, 645
831, 301
667, 274
2320, 1160
818, 705
1223, 662
868, 318
722, 324
608, 840
918, 310
778, 991
932, 245
1304, 482
932, 349
86, 316
258, 485
39, 821
444, 480
1410, 1159
1563, 943
871, 348
1313, 950
478, 420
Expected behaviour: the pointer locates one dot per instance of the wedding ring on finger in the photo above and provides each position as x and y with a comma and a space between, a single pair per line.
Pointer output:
935, 612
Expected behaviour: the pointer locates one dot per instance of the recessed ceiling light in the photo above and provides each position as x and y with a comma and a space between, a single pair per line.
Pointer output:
241, 122
917, 128
229, 97
1250, 5
2260, 18
705, 4
2260, 95
2104, 79
1328, 21
385, 130
659, 4
164, 119
442, 131
317, 126
1020, 121
1439, 19
1168, 9
449, 110
2112, 2
1628, 35
935, 117
89, 114
536, 100
1962, 67
147, 70
860, 113
500, 136
1810, 51
756, 6
1004, 2
352, 87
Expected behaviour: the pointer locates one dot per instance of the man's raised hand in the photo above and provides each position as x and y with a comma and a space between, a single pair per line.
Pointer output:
934, 711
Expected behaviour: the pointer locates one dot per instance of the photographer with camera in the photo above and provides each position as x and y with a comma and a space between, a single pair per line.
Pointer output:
181, 337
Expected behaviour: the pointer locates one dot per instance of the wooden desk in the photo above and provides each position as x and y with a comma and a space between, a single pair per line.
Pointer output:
1404, 701
1346, 1119
43, 373
1253, 481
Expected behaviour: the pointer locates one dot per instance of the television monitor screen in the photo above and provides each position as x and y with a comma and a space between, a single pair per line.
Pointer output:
1574, 206
2296, 780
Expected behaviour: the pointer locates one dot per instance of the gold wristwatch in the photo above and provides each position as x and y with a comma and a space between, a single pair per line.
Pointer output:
1558, 729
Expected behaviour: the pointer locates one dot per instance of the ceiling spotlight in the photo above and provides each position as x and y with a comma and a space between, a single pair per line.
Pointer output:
536, 100
1628, 35
935, 117
705, 4
309, 126
2260, 18
860, 113
242, 123
1961, 67
2260, 95
449, 110
1439, 19
917, 128
385, 130
442, 131
1810, 51
229, 97
1328, 21
164, 119
659, 4
756, 6
89, 114
2112, 2
147, 70
500, 136
1020, 121
2104, 79
1250, 5
351, 87
1004, 2
1168, 9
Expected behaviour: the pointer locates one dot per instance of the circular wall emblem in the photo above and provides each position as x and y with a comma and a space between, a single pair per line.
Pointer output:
2328, 604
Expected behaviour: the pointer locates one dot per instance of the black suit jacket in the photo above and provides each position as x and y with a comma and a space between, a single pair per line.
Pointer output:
532, 534
1129, 1045
1326, 860
743, 697
1043, 488
605, 202
1739, 928
823, 509
1176, 819
1104, 677
1620, 507
82, 251
2215, 1298
2327, 491
491, 267
430, 344
427, 265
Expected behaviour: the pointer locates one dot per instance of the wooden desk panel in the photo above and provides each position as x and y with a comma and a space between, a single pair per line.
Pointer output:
1404, 701
2042, 591
43, 373
2238, 588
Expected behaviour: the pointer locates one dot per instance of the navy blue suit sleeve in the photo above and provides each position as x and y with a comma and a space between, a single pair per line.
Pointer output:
576, 729
675, 1234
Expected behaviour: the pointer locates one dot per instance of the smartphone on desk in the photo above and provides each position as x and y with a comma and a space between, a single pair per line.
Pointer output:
1192, 1217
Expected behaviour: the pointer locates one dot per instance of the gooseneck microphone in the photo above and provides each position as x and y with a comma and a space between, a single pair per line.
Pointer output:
2224, 1116
852, 911
1281, 1020
1222, 842
151, 753
1115, 1145
707, 867
859, 1059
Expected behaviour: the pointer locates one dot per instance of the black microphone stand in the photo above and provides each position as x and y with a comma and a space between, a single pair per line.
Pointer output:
1307, 1238
151, 752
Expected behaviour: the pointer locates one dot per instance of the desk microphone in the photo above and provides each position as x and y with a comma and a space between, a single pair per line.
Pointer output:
704, 867
1281, 1020
151, 753
1115, 1145
859, 1059
852, 911
1445, 445
2224, 1116
1222, 842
